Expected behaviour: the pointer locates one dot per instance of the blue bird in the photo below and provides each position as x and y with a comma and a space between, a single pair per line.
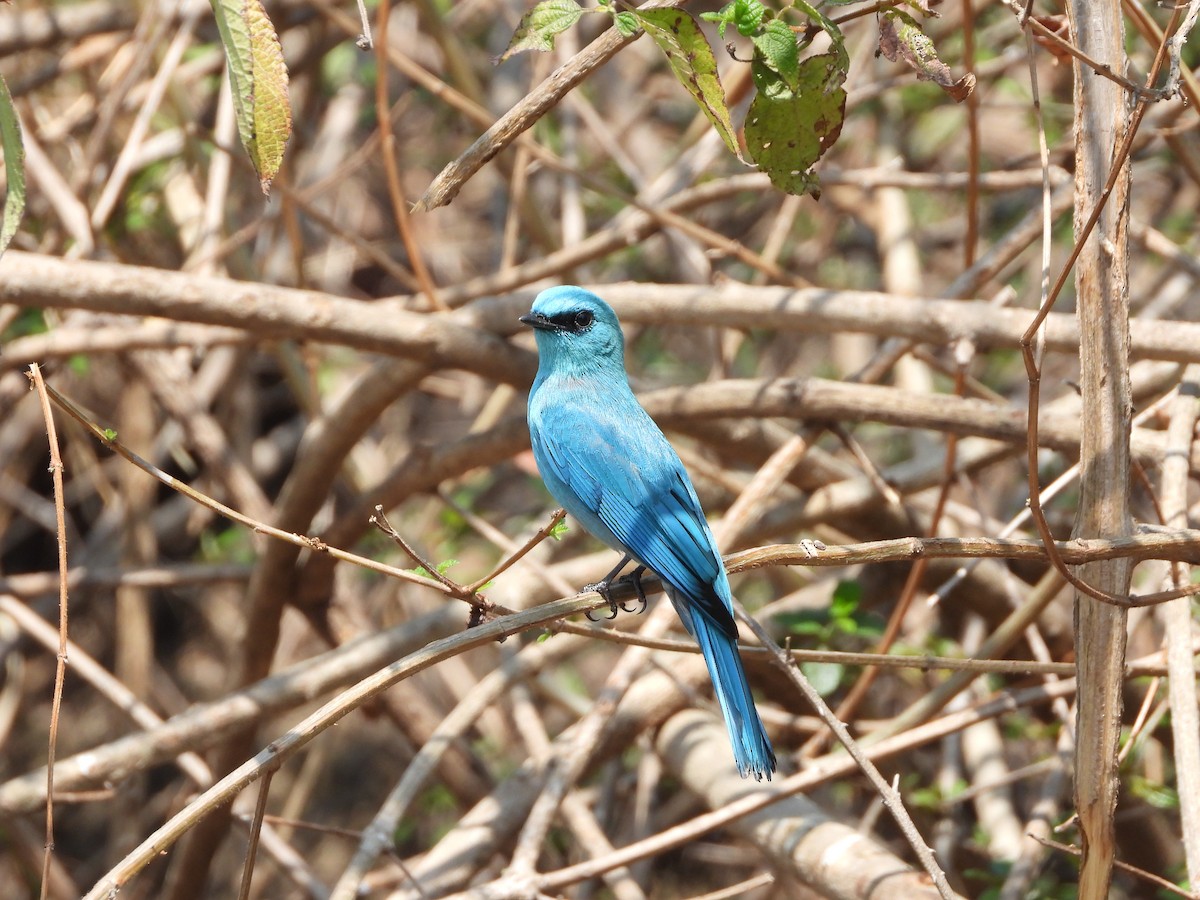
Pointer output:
603, 458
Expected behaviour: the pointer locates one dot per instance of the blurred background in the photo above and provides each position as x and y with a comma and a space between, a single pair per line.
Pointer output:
300, 359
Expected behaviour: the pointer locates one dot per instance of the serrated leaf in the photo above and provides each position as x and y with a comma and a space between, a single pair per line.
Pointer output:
14, 167
748, 16
787, 130
776, 47
901, 37
538, 27
258, 79
692, 61
627, 23
744, 15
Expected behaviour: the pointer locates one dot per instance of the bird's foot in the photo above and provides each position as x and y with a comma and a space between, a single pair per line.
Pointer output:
604, 589
636, 577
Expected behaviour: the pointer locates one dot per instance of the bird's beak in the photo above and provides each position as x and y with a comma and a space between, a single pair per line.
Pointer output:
538, 321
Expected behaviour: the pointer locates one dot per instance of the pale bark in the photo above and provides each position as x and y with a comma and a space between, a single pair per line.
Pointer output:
1103, 310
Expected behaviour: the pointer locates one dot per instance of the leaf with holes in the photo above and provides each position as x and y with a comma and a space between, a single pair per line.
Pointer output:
540, 26
14, 167
258, 78
901, 37
788, 130
679, 36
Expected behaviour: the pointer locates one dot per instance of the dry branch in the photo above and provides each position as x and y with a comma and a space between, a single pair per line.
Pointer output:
794, 832
1101, 280
306, 406
271, 311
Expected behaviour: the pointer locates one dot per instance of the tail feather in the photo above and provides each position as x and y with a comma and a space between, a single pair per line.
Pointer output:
751, 746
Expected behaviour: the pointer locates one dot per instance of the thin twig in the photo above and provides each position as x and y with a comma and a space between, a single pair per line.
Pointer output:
509, 561
255, 825
1177, 623
289, 743
60, 667
890, 796
820, 771
1160, 883
365, 40
1033, 332
109, 439
380, 521
387, 149
1141, 92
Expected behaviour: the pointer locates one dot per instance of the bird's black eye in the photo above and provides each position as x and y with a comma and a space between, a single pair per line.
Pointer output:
583, 319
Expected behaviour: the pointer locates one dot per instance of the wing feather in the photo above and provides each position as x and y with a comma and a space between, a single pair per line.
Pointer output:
628, 475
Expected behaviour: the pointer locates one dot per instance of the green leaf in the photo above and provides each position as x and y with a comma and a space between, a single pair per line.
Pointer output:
538, 27
748, 16
27, 322
722, 18
744, 15
837, 43
441, 567
808, 626
559, 529
824, 677
777, 49
901, 37
845, 624
788, 130
258, 79
846, 597
1160, 796
692, 61
14, 167
627, 23
110, 434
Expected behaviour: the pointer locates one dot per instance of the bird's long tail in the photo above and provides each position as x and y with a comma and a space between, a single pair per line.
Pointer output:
751, 747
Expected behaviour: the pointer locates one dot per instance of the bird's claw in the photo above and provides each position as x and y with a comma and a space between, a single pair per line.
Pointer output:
603, 588
636, 577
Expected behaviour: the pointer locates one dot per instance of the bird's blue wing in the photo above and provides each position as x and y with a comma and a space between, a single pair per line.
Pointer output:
623, 471
605, 460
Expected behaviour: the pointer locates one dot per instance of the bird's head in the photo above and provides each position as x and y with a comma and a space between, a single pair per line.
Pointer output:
574, 325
